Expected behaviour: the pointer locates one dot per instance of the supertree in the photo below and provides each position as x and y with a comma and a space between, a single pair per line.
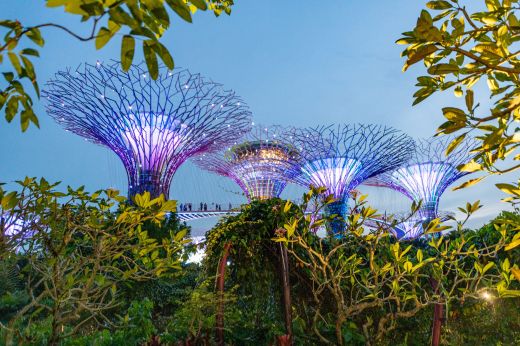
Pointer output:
341, 157
152, 125
424, 178
260, 162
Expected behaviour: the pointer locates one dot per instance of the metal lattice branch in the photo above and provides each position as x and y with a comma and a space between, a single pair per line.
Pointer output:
428, 173
152, 125
260, 163
341, 157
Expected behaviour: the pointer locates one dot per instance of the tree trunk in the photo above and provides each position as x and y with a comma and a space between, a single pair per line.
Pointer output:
438, 311
219, 328
284, 260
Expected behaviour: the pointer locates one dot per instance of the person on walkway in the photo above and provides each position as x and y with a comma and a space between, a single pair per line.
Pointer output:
205, 207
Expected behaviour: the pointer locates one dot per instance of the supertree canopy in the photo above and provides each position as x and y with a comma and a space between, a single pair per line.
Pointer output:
260, 163
341, 157
425, 177
152, 125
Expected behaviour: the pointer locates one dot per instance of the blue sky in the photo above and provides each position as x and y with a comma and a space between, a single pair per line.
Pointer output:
300, 63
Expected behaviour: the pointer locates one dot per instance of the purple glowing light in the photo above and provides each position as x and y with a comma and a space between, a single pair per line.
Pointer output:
260, 163
152, 125
426, 176
340, 157
337, 174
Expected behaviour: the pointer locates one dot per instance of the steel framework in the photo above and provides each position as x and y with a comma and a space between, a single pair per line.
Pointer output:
341, 157
260, 163
152, 125
425, 178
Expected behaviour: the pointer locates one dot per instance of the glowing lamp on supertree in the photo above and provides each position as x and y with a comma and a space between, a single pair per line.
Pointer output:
152, 125
424, 178
260, 163
341, 157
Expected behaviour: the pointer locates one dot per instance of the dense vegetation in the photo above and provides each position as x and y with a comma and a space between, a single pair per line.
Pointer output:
80, 268
92, 269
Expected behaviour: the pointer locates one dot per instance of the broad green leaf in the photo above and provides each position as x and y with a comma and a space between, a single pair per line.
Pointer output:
454, 114
512, 245
151, 59
11, 109
180, 7
469, 100
509, 189
439, 5
419, 54
164, 54
455, 143
200, 4
102, 37
30, 51
127, 51
471, 167
15, 62
442, 69
468, 183
35, 35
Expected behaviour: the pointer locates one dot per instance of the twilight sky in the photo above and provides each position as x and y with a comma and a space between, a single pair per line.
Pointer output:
294, 62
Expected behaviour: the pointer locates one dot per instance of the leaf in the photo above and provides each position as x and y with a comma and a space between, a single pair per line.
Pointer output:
455, 143
35, 35
442, 69
468, 183
454, 114
492, 5
15, 62
510, 189
419, 54
29, 68
487, 267
11, 109
512, 245
9, 200
151, 59
408, 266
181, 9
200, 4
438, 5
469, 99
179, 235
470, 167
118, 15
127, 51
30, 51
516, 273
102, 37
287, 206
164, 54
8, 76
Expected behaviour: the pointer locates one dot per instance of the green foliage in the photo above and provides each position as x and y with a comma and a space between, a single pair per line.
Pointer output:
253, 266
78, 250
371, 282
144, 20
195, 319
459, 48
